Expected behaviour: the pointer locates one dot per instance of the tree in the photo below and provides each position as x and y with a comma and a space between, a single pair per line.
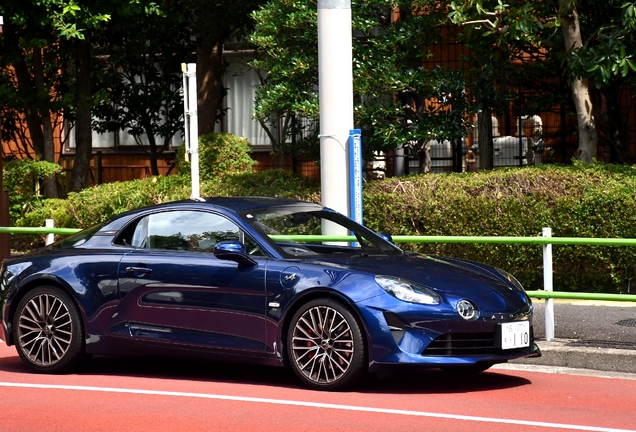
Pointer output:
140, 79
606, 59
595, 45
45, 66
32, 80
286, 104
397, 101
214, 22
77, 23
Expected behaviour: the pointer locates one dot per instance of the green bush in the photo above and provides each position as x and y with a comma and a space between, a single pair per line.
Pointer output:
20, 178
577, 201
99, 203
220, 155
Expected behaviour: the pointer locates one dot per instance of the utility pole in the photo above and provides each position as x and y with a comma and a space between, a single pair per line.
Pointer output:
335, 76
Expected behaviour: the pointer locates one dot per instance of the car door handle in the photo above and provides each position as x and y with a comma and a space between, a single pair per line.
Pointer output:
138, 270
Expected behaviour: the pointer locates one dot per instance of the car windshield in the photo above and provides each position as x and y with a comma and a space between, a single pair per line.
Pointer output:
293, 231
81, 237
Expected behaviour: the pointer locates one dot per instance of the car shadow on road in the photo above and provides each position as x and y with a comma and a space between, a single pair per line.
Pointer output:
435, 381
405, 382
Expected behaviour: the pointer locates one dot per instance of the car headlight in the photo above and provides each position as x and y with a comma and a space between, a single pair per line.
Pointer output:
408, 291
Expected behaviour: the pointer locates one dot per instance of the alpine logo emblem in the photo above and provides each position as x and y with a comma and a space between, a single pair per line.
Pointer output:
467, 310
290, 277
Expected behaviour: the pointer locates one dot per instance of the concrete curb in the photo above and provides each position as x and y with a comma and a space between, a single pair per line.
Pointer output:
558, 353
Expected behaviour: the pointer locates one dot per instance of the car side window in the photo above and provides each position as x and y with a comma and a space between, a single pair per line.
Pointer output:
188, 231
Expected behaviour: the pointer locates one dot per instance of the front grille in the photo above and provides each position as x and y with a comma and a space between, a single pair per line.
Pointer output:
461, 345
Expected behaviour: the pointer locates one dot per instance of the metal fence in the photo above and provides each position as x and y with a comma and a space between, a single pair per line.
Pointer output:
546, 241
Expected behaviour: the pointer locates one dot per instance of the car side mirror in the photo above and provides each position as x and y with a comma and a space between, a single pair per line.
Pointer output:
233, 250
386, 237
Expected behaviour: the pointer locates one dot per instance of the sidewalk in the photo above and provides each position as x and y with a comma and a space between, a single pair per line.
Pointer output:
588, 335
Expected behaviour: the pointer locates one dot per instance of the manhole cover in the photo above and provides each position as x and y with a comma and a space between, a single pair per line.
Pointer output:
627, 322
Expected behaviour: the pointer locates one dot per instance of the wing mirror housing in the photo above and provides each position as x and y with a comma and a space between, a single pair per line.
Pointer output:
386, 237
233, 250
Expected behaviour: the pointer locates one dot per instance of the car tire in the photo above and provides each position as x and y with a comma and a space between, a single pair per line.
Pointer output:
326, 357
48, 331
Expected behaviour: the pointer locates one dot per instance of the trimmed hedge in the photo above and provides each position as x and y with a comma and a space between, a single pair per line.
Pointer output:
220, 155
99, 203
575, 201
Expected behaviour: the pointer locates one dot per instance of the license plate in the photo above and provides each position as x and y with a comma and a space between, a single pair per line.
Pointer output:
515, 335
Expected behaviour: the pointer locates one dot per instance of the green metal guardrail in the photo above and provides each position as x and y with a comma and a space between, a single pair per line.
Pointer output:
435, 239
42, 230
474, 239
581, 296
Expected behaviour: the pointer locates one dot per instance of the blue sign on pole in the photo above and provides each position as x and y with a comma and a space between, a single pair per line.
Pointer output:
355, 174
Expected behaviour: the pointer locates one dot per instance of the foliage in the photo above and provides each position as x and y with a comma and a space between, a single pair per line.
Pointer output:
578, 201
140, 78
286, 35
20, 177
397, 101
607, 57
215, 25
39, 57
31, 82
594, 201
220, 155
99, 203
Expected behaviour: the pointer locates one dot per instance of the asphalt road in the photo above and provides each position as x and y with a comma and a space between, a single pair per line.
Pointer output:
590, 324
144, 394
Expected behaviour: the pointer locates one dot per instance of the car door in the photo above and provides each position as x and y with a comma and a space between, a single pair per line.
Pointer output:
175, 291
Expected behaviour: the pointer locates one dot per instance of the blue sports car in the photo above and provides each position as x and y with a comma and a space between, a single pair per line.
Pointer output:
248, 279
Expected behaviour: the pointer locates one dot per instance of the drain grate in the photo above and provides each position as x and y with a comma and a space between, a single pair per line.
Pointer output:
627, 322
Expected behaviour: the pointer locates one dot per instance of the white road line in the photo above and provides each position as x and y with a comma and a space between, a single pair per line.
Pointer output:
319, 405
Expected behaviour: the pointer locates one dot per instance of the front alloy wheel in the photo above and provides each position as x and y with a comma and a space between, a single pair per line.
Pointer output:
48, 330
325, 345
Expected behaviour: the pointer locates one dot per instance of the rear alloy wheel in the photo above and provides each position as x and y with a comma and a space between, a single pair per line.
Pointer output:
48, 331
325, 345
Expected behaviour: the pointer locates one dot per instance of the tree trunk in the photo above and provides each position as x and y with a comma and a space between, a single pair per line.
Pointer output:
588, 138
484, 139
26, 90
209, 81
425, 157
612, 125
37, 114
83, 131
152, 143
50, 188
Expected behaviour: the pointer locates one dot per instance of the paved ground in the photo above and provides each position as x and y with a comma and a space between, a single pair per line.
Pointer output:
161, 394
590, 335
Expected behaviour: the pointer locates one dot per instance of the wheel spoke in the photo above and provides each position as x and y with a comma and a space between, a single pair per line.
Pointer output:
308, 352
324, 356
32, 310
45, 329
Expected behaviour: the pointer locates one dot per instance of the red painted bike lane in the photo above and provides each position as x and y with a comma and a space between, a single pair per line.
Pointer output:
159, 394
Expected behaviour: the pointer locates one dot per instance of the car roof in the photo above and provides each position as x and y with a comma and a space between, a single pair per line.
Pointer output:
233, 204
244, 203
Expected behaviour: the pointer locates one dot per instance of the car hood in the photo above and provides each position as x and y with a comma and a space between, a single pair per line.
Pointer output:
452, 278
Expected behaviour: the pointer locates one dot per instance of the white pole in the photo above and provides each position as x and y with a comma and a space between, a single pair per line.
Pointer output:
192, 148
335, 73
50, 238
547, 286
186, 112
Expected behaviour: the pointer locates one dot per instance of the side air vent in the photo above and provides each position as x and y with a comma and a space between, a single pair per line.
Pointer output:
395, 325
